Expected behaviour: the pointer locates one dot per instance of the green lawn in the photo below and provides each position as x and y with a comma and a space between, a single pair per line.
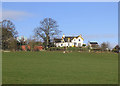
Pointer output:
59, 68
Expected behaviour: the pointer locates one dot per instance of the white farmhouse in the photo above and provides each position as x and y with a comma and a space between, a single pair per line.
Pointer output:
69, 41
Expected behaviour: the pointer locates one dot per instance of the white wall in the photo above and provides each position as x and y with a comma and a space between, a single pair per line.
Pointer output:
77, 41
65, 44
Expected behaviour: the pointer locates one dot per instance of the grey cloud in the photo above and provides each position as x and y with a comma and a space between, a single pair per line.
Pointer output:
15, 15
101, 36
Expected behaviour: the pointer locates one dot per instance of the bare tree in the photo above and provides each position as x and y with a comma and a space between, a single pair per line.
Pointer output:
47, 30
7, 24
105, 46
9, 35
31, 43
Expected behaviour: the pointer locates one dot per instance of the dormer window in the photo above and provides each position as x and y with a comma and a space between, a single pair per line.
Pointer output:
74, 40
79, 39
68, 39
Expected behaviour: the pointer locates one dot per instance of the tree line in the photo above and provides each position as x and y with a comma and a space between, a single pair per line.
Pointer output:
43, 35
47, 30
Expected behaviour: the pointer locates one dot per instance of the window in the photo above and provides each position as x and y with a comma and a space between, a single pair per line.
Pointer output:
79, 39
79, 44
75, 43
68, 39
61, 44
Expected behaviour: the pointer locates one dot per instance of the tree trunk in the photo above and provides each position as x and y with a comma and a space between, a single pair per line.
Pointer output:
47, 41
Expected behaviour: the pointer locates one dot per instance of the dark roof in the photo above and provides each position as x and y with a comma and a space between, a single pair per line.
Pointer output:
57, 40
66, 38
93, 43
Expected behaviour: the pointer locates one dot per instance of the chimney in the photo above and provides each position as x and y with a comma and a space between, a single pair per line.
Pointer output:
63, 36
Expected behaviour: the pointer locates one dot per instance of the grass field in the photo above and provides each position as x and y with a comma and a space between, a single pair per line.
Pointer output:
59, 68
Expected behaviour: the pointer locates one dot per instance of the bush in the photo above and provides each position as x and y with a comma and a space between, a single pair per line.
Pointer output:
84, 45
85, 49
68, 49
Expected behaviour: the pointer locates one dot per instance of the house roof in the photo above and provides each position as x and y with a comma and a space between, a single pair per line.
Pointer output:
67, 38
57, 40
72, 37
93, 42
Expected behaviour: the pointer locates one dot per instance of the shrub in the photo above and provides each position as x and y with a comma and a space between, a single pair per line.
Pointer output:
84, 45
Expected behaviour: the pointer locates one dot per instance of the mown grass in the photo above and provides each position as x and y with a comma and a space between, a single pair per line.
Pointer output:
59, 68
